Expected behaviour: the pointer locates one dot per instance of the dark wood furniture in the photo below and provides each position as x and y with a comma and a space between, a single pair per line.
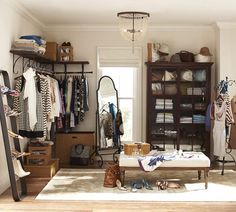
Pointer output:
65, 141
177, 98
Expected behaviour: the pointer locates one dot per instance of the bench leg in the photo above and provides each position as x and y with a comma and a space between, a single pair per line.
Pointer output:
199, 174
206, 177
122, 177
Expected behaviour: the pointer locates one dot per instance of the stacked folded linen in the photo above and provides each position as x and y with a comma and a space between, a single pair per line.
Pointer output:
165, 118
164, 104
195, 91
185, 119
30, 43
199, 106
198, 119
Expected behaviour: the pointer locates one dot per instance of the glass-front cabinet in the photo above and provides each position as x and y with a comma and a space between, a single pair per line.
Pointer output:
178, 95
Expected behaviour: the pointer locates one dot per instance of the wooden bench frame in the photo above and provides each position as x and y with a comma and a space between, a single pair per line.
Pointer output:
199, 169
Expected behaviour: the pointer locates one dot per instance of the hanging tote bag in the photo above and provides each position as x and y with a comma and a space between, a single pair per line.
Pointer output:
80, 155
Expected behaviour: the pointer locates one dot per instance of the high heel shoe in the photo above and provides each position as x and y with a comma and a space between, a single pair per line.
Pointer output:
119, 186
14, 135
19, 171
17, 154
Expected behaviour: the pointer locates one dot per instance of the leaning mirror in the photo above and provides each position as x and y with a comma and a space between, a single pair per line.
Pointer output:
107, 108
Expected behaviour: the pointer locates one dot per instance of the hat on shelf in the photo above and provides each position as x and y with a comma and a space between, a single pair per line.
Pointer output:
164, 49
203, 56
205, 51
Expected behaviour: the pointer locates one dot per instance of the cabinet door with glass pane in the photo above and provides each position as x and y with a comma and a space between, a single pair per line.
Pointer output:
177, 98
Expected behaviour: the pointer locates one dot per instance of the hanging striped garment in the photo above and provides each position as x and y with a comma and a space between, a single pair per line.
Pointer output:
229, 119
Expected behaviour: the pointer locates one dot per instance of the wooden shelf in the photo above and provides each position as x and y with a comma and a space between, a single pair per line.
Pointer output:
32, 56
42, 59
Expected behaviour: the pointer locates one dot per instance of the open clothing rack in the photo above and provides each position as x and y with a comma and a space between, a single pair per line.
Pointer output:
223, 88
17, 192
40, 60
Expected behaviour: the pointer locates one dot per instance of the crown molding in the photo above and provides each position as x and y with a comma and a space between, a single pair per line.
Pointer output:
80, 28
114, 28
15, 5
225, 25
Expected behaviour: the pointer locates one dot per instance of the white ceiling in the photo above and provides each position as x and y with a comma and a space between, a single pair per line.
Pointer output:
103, 12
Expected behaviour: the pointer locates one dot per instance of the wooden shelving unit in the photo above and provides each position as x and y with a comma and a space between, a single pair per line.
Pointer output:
171, 130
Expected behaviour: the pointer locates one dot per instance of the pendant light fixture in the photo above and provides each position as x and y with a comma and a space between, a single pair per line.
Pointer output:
133, 25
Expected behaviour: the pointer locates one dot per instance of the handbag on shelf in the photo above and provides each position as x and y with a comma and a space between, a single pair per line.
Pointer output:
186, 56
80, 155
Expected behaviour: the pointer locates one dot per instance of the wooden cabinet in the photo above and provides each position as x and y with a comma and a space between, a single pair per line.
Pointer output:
178, 95
65, 141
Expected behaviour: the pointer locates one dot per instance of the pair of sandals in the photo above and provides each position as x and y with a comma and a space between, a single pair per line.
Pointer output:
139, 185
163, 185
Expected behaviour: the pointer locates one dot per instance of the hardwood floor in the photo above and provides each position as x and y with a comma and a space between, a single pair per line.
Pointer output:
28, 203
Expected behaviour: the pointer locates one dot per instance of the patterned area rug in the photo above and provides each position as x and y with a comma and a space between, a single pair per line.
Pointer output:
87, 184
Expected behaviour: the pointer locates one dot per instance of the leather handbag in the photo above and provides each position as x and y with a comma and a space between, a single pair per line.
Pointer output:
186, 56
112, 174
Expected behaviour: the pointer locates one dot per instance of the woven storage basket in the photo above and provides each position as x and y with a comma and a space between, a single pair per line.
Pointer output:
137, 148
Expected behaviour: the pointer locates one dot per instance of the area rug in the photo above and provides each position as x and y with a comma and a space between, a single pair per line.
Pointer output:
87, 184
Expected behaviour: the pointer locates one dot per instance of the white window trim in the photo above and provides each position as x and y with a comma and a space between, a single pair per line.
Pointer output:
124, 57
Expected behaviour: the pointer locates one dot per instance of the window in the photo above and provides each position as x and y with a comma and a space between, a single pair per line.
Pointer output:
124, 67
124, 79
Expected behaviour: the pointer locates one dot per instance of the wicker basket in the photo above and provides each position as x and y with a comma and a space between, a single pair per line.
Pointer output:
137, 149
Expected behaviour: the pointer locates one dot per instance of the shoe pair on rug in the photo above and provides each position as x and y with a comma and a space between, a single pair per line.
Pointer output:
163, 185
139, 185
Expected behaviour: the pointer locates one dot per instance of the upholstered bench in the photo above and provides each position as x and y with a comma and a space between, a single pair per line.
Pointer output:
186, 161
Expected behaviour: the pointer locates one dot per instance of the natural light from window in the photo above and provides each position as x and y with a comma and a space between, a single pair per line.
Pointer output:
124, 79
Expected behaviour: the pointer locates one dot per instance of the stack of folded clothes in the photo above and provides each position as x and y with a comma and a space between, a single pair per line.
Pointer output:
199, 106
198, 119
195, 91
30, 43
185, 119
164, 104
164, 118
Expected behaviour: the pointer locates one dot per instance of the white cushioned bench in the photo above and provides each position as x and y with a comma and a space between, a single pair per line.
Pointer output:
196, 161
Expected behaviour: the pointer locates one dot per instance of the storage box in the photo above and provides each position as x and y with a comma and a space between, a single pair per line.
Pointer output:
43, 171
137, 149
65, 53
51, 50
39, 155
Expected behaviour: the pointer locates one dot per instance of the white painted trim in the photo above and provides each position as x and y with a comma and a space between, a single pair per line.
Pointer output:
115, 28
14, 4
226, 25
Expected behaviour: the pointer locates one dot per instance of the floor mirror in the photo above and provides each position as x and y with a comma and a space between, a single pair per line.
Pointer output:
108, 141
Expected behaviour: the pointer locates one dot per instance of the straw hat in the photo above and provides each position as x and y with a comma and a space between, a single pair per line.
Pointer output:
205, 51
164, 49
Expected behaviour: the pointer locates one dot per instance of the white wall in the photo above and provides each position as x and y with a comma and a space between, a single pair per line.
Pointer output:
12, 24
85, 42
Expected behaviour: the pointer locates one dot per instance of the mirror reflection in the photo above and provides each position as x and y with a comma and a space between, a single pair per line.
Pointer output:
109, 118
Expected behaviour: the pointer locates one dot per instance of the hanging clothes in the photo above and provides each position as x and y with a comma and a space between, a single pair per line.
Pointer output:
232, 140
25, 129
219, 132
119, 123
30, 96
